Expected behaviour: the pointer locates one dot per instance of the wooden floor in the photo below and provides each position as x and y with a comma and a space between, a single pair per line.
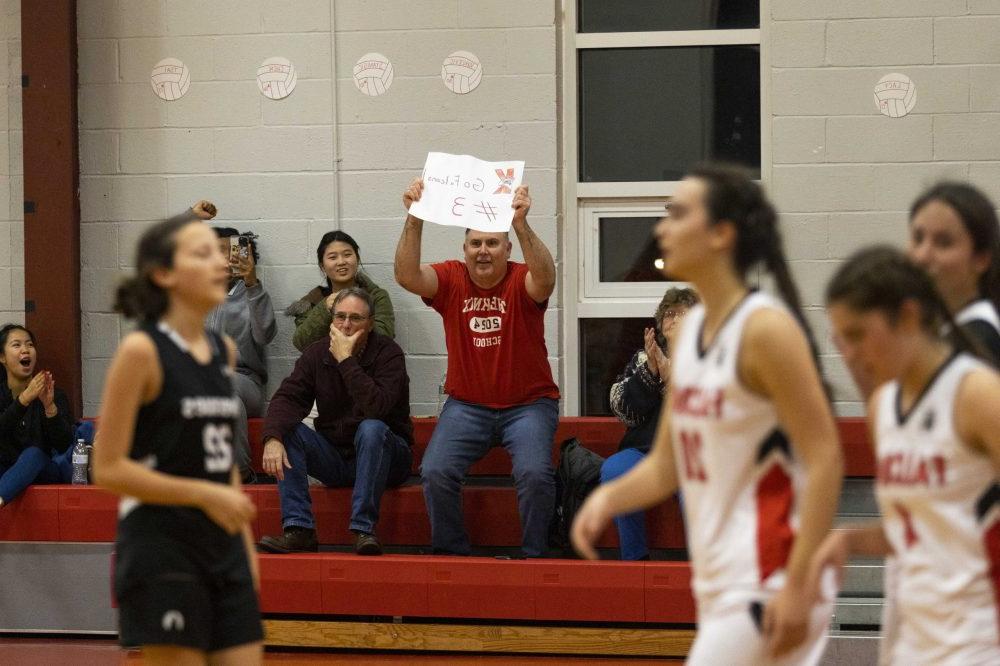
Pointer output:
90, 652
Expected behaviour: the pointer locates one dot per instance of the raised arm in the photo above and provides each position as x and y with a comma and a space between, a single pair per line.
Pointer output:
541, 279
411, 275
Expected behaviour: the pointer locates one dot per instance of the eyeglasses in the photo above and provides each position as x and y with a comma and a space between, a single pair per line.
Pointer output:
341, 317
674, 314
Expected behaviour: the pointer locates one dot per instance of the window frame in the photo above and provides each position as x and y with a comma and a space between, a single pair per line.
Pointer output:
582, 295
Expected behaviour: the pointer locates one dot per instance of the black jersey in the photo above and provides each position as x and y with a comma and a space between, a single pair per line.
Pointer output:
186, 431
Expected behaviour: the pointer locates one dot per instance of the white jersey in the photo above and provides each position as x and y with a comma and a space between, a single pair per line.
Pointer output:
735, 466
939, 502
981, 310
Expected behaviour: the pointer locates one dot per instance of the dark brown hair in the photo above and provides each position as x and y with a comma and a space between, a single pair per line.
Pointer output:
138, 297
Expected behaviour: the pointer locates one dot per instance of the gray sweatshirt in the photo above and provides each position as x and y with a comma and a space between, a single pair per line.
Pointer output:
247, 317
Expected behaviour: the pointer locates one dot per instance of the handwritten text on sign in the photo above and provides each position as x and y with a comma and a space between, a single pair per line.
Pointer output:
462, 191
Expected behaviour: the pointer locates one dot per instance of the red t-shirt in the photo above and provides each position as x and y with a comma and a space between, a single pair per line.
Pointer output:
495, 338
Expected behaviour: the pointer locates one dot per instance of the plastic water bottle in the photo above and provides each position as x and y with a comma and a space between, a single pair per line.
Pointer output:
80, 460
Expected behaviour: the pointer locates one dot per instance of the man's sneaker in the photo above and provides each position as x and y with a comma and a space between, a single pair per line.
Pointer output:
294, 540
366, 544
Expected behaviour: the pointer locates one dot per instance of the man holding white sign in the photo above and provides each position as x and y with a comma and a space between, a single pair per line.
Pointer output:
499, 382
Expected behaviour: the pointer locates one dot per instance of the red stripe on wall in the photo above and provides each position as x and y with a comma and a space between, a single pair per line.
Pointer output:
774, 529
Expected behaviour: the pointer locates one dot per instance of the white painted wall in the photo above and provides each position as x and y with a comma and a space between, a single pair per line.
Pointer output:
11, 169
843, 175
327, 157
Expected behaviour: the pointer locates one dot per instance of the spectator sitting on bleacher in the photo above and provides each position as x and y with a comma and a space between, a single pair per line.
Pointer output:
36, 425
247, 317
636, 398
499, 381
363, 435
339, 258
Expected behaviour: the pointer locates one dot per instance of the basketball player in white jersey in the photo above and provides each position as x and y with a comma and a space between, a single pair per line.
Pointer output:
935, 423
748, 434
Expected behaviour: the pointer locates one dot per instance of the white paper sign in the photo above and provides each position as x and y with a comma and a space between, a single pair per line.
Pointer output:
463, 191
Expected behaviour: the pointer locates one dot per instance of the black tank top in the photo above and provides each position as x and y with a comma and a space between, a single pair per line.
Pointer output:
186, 431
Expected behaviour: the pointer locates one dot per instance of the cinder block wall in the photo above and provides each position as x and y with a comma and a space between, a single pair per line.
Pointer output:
11, 171
843, 175
327, 157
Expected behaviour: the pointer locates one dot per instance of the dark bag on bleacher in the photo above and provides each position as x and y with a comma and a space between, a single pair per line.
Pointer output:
578, 473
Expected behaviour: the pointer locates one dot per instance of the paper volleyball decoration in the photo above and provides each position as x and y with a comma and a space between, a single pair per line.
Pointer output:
461, 72
276, 78
170, 79
895, 95
373, 74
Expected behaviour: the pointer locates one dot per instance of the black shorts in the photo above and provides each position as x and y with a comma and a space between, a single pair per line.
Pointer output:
170, 593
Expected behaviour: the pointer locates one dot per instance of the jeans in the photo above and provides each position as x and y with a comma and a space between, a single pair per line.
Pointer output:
464, 434
382, 459
251, 395
34, 466
631, 527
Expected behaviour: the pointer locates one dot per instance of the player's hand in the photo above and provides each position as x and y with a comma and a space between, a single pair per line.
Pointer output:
413, 192
590, 522
521, 203
275, 459
204, 210
33, 390
228, 507
786, 620
833, 554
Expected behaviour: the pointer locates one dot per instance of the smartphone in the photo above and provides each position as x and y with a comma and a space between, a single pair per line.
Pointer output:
239, 248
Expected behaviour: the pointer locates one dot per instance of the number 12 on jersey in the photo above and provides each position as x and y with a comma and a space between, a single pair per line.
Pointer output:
694, 468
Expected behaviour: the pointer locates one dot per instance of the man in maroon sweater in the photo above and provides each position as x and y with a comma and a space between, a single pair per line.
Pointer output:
363, 432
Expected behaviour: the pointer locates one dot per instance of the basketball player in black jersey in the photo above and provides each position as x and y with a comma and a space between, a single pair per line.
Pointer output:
186, 573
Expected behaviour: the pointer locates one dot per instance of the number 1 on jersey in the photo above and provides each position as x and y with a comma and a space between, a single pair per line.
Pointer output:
694, 469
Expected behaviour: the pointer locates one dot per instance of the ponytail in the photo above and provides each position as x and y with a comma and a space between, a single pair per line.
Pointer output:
138, 297
732, 196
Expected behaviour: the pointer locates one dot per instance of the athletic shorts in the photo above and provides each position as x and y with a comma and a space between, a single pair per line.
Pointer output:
731, 631
177, 597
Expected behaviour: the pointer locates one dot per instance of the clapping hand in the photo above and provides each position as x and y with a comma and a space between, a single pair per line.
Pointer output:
657, 362
33, 390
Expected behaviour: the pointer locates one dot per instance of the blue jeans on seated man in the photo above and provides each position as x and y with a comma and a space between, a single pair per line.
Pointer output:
464, 434
631, 527
382, 458
34, 466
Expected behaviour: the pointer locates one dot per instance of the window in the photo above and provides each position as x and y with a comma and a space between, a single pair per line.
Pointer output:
652, 88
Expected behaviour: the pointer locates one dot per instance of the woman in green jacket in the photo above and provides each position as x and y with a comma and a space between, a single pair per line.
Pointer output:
339, 258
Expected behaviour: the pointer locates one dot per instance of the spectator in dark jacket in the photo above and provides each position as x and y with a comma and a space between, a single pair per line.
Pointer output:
363, 435
636, 398
36, 425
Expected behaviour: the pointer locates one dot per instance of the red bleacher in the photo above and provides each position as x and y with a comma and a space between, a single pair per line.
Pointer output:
427, 586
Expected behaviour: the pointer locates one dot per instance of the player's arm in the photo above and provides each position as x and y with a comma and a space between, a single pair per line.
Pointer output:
977, 419
417, 278
135, 378
649, 483
775, 361
540, 281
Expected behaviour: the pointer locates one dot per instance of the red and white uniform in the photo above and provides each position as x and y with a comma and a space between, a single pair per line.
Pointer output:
739, 483
939, 502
